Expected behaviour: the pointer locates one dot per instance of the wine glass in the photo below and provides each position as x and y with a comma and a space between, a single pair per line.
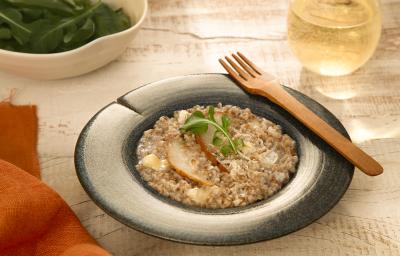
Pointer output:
333, 37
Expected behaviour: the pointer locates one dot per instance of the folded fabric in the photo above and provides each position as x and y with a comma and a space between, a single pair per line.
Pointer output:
18, 136
34, 220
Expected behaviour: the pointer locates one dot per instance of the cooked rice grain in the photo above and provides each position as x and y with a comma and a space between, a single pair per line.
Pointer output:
265, 163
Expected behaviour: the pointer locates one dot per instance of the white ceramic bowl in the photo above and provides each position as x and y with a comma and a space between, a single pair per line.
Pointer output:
81, 60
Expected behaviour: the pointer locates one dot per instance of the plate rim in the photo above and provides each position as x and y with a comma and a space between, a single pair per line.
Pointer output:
152, 232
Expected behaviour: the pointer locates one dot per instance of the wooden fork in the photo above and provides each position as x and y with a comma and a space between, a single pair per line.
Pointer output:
253, 80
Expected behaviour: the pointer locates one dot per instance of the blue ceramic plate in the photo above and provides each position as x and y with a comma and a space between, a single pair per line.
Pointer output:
105, 160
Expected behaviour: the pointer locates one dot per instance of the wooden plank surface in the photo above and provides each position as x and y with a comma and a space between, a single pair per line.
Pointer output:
187, 36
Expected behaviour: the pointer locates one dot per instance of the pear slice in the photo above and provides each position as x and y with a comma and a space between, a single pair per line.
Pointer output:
206, 139
181, 161
214, 161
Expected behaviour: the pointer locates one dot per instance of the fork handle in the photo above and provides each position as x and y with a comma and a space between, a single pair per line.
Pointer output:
341, 144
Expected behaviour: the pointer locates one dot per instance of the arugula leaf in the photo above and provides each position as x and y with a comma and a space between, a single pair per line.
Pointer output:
69, 33
48, 26
217, 141
109, 22
81, 35
226, 149
77, 5
197, 123
5, 33
14, 19
211, 112
30, 15
238, 142
225, 122
52, 5
48, 37
4, 45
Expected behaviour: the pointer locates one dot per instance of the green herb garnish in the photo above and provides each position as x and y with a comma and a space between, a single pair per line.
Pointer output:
50, 26
197, 123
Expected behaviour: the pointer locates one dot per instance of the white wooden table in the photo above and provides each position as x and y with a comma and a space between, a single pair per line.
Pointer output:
187, 36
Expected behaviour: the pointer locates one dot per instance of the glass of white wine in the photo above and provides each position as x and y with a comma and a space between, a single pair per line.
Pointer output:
334, 37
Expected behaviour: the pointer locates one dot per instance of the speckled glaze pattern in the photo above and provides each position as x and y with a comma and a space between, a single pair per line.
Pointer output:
105, 162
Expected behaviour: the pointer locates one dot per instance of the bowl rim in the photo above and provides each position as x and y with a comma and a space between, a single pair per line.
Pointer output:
83, 47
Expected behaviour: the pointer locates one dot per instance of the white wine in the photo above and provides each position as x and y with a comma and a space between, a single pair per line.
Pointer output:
334, 37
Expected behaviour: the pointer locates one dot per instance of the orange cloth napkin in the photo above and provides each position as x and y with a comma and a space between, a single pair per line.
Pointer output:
34, 220
18, 136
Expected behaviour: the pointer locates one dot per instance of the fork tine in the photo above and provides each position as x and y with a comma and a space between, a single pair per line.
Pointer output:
238, 69
245, 66
251, 64
230, 71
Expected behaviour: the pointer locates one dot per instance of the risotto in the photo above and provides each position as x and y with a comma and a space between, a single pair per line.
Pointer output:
225, 158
